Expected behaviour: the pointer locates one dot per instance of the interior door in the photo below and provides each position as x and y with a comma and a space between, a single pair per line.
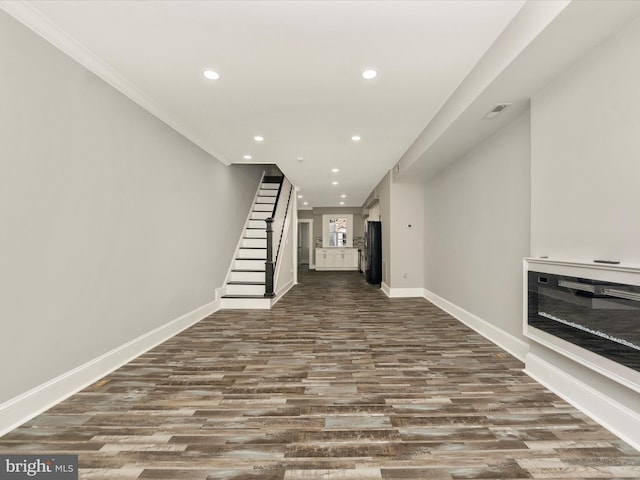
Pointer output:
303, 243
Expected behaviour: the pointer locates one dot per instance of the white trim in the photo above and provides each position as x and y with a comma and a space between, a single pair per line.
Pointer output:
258, 303
404, 292
516, 347
386, 289
335, 269
615, 417
41, 25
25, 406
288, 286
548, 263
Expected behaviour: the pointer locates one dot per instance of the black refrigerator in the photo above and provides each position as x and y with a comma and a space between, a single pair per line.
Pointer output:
373, 253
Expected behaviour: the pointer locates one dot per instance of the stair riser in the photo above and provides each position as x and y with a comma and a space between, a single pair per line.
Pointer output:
263, 207
252, 253
244, 303
260, 215
248, 265
270, 200
257, 224
270, 186
246, 277
255, 233
245, 289
254, 242
268, 193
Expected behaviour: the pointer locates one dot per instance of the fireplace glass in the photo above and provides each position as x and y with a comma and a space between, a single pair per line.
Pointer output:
601, 317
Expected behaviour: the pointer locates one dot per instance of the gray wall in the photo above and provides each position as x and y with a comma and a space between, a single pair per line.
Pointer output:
400, 205
112, 224
407, 247
586, 171
586, 156
476, 230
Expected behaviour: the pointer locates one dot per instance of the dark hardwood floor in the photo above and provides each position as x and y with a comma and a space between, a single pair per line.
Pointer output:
335, 382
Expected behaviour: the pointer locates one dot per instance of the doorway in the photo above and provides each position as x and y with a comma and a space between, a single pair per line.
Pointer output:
305, 244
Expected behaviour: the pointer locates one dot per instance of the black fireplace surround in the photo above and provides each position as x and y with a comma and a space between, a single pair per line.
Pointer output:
601, 317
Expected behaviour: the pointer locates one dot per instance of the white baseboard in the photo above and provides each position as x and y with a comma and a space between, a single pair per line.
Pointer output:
516, 347
403, 292
335, 269
386, 289
288, 286
22, 408
615, 417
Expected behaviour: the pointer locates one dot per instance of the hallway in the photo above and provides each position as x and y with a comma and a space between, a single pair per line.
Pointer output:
336, 381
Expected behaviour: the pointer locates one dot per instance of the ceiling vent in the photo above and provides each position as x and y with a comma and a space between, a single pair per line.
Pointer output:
496, 110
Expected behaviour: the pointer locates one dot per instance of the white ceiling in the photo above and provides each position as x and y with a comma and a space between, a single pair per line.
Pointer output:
290, 71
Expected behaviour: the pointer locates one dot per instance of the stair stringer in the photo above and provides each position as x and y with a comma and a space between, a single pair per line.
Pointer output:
284, 280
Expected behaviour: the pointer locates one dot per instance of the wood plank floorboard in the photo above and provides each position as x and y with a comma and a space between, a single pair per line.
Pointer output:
337, 381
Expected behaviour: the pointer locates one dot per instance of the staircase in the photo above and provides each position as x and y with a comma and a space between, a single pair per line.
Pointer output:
245, 287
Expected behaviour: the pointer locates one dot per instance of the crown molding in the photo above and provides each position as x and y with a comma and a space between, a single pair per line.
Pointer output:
32, 18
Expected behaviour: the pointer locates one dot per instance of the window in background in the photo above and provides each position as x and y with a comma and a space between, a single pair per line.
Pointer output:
337, 232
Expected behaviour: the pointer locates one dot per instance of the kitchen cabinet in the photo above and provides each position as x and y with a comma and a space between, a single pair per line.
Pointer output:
336, 258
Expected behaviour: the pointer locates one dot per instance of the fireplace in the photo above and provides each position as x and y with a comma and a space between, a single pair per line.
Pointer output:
590, 313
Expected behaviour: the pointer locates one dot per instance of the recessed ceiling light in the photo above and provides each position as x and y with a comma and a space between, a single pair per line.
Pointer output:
369, 74
299, 196
341, 203
334, 183
356, 138
335, 170
211, 75
247, 157
300, 159
258, 138
343, 196
306, 203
